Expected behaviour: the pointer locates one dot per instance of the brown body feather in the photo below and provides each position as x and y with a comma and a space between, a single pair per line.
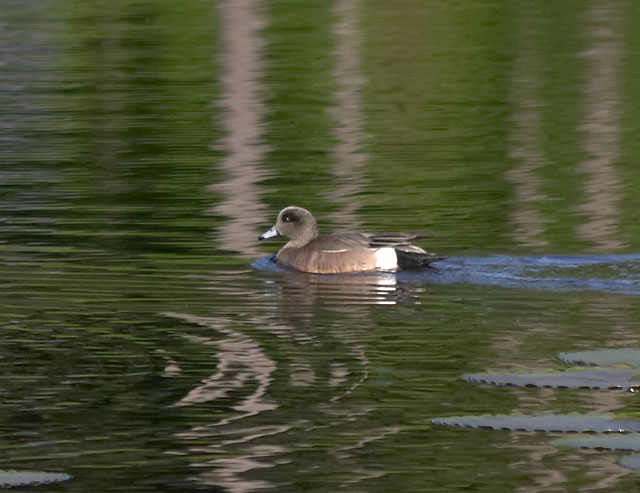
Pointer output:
353, 252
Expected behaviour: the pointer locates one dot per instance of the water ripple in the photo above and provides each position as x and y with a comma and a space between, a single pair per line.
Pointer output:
604, 273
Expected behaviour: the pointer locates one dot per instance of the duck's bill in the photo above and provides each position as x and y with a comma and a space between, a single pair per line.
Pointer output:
269, 234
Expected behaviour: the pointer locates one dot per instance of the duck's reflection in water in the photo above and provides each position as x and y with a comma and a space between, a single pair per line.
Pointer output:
293, 289
240, 359
286, 370
239, 385
362, 289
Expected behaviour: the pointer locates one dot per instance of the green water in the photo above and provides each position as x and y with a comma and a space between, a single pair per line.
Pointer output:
144, 146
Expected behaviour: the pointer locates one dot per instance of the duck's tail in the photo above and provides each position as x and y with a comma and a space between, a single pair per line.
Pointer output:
416, 259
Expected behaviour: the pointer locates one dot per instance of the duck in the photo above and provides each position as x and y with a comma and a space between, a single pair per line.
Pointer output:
342, 253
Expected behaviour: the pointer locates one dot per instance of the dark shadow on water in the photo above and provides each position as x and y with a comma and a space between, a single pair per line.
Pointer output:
601, 273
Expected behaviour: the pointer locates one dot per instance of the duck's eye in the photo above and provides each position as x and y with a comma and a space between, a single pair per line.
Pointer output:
288, 218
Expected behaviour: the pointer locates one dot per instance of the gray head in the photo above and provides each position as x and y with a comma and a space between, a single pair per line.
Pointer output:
294, 223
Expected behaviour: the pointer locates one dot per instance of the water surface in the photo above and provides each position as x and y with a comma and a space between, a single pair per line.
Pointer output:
150, 344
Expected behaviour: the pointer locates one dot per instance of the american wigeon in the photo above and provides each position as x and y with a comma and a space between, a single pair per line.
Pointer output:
307, 251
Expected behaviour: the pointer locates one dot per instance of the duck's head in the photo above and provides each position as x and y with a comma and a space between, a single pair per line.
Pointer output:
296, 224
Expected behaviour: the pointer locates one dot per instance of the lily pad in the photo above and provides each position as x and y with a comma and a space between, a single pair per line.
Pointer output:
618, 369
630, 461
11, 479
603, 357
602, 379
627, 442
552, 423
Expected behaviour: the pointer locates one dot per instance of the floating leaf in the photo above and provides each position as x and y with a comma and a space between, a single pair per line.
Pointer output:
602, 442
554, 423
630, 462
603, 379
11, 479
603, 357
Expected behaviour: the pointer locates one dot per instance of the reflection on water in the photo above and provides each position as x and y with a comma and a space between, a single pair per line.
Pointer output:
240, 360
601, 127
138, 356
598, 128
243, 120
526, 139
242, 368
247, 387
303, 289
350, 159
296, 302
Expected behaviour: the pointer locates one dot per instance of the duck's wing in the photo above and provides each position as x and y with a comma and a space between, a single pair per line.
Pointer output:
357, 241
394, 240
339, 242
409, 255
354, 241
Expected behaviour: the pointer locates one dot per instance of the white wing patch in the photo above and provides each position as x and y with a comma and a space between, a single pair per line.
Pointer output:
334, 251
386, 259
